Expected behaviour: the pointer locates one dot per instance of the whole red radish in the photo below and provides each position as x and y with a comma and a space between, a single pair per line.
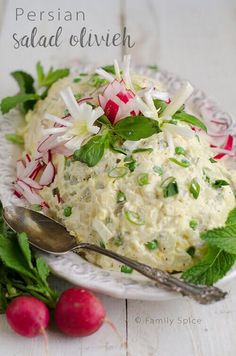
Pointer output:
27, 316
79, 312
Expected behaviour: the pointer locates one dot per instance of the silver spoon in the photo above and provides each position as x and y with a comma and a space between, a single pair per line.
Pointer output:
49, 236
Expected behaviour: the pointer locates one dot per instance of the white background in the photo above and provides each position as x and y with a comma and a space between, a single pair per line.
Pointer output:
197, 40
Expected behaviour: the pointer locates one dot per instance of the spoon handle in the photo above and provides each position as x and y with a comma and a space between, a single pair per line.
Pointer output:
201, 293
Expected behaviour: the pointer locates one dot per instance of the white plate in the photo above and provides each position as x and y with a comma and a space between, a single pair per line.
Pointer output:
71, 266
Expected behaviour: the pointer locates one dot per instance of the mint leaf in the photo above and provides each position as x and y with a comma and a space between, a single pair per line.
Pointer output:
14, 138
42, 269
135, 128
160, 105
211, 268
92, 152
52, 77
11, 102
190, 119
109, 69
25, 82
40, 72
231, 219
12, 257
24, 246
223, 238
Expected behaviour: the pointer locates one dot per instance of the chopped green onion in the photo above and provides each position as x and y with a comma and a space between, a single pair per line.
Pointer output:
68, 211
158, 169
101, 243
77, 80
83, 74
212, 160
193, 224
148, 149
153, 67
118, 240
194, 188
219, 183
77, 96
180, 150
96, 82
151, 245
14, 138
170, 187
109, 68
36, 207
131, 163
134, 217
142, 179
118, 172
191, 251
120, 197
126, 269
183, 163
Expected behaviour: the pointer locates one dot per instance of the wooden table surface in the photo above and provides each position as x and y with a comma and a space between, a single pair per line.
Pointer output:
197, 40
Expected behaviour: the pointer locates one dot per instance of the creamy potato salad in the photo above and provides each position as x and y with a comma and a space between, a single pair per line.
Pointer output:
121, 164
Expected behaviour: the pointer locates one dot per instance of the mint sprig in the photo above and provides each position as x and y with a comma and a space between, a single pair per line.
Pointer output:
21, 272
221, 254
27, 96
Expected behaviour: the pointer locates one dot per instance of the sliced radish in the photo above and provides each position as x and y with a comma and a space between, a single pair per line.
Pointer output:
48, 175
31, 183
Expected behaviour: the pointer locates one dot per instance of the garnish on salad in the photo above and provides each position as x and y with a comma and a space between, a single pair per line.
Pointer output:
125, 164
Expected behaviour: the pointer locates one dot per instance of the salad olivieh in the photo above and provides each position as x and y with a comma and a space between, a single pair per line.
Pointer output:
117, 160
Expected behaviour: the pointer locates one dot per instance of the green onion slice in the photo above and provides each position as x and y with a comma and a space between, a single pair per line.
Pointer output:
118, 172
142, 179
194, 188
134, 217
183, 163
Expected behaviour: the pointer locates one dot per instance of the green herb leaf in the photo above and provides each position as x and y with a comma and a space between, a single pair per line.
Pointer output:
219, 183
42, 269
131, 163
211, 268
224, 238
109, 69
151, 245
191, 251
190, 119
142, 179
134, 217
120, 197
25, 82
11, 102
160, 105
126, 269
118, 240
12, 256
25, 249
231, 219
183, 163
158, 170
40, 72
118, 172
67, 211
193, 224
212, 160
52, 77
92, 152
96, 81
194, 188
14, 138
135, 128
139, 150
180, 150
170, 187
153, 67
